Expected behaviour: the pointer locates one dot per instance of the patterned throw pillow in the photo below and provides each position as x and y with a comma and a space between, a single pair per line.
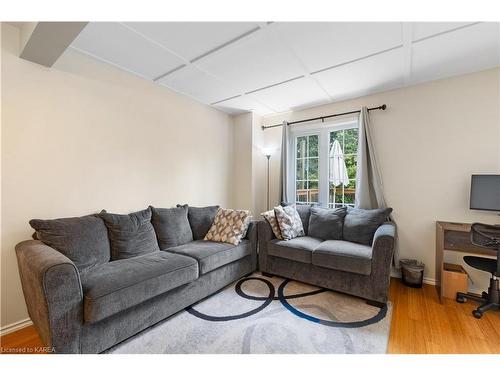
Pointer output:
271, 219
229, 226
289, 222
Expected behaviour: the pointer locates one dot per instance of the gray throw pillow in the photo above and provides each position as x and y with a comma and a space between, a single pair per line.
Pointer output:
360, 225
130, 235
326, 223
171, 226
84, 240
201, 220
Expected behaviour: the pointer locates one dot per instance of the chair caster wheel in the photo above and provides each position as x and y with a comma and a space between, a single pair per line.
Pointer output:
461, 299
477, 314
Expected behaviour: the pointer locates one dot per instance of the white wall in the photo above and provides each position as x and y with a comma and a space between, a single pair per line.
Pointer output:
242, 161
250, 181
83, 136
429, 141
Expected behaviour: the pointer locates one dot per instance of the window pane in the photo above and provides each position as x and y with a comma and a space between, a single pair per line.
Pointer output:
351, 141
338, 194
313, 146
301, 147
301, 191
352, 184
348, 195
350, 163
331, 195
301, 175
312, 169
313, 191
335, 135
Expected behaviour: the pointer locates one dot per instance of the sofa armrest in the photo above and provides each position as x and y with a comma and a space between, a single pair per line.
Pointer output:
265, 234
382, 253
385, 232
53, 293
252, 237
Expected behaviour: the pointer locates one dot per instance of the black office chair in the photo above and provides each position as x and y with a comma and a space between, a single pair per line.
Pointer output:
486, 236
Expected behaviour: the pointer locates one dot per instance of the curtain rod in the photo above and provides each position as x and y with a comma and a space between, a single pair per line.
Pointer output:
382, 107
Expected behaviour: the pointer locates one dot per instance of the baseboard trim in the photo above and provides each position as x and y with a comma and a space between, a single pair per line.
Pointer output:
430, 281
9, 328
471, 289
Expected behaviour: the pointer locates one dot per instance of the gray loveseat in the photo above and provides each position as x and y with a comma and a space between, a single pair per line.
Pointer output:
77, 308
359, 266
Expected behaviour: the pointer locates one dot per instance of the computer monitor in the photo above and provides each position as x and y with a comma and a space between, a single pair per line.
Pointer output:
485, 192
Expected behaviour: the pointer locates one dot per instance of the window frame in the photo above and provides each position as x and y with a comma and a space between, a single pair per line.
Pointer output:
322, 130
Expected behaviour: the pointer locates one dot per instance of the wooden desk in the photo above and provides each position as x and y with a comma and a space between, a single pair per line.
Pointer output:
453, 237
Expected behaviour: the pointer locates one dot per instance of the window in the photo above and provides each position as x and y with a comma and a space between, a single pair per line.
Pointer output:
344, 193
325, 172
307, 163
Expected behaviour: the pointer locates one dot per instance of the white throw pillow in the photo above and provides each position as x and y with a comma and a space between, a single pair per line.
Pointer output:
289, 222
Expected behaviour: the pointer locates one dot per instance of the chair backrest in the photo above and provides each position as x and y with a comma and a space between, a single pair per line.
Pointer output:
485, 235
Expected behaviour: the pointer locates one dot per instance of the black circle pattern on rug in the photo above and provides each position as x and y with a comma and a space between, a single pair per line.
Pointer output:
267, 301
284, 301
356, 324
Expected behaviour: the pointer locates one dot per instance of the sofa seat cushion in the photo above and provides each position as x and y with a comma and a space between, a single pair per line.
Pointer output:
343, 256
298, 248
119, 285
211, 255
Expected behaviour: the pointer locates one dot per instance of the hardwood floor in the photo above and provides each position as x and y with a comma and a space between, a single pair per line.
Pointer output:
420, 324
24, 341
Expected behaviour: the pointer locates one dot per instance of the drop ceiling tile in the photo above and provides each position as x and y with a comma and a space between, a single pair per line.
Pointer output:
320, 45
427, 29
243, 104
192, 39
296, 94
463, 51
374, 74
197, 84
114, 43
252, 63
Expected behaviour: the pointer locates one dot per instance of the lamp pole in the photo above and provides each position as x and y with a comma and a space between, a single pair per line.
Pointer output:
268, 156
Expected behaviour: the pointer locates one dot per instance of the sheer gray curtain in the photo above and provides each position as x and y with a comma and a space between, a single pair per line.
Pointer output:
284, 163
369, 192
369, 187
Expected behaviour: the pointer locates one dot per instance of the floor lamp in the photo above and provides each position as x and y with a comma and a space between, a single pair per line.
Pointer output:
267, 153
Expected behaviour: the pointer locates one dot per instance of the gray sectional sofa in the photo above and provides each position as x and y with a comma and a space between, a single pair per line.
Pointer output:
111, 289
354, 257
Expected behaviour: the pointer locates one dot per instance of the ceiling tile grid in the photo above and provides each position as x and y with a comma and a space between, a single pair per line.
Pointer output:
270, 67
115, 44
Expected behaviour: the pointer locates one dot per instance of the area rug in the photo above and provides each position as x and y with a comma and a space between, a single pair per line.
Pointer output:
259, 315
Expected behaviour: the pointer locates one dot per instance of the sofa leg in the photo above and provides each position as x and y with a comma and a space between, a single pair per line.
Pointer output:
266, 274
375, 303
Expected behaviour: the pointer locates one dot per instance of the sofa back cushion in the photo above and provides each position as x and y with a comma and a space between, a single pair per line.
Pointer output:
84, 240
360, 225
201, 219
171, 226
130, 235
326, 223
